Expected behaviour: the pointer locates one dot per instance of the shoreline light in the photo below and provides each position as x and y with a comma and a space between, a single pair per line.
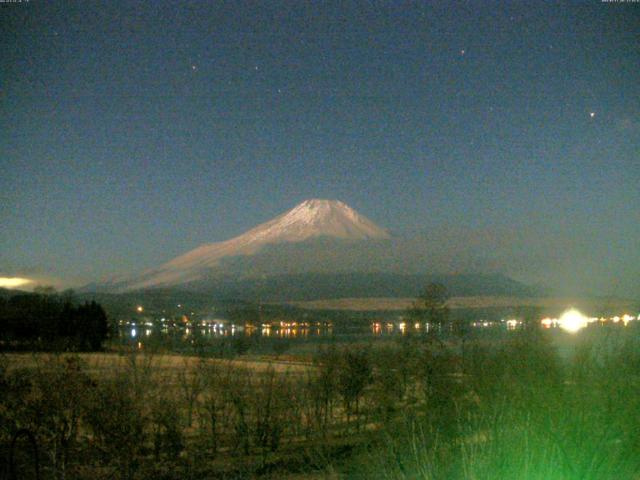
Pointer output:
572, 320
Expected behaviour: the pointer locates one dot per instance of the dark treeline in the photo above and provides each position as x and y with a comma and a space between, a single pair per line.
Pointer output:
45, 320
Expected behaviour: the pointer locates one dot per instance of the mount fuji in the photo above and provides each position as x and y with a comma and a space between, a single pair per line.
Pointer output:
310, 222
318, 249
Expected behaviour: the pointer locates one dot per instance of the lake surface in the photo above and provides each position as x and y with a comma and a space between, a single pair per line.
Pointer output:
222, 338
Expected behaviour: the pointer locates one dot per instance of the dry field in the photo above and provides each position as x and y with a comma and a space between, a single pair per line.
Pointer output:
99, 362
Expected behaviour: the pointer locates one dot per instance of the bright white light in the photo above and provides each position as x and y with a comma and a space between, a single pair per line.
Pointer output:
133, 333
572, 320
14, 282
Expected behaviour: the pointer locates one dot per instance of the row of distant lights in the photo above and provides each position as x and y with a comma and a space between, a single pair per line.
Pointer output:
217, 328
511, 323
573, 320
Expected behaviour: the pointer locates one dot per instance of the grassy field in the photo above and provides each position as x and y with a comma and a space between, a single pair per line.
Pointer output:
409, 408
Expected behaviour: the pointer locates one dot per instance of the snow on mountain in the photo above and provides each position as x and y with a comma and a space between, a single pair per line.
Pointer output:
310, 219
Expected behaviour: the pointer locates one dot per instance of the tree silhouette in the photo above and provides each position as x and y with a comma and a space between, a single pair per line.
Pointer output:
354, 375
431, 307
49, 321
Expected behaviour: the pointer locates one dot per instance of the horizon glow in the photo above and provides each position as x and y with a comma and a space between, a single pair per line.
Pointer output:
14, 282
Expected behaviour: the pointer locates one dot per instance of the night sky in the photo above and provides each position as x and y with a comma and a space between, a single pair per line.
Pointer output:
132, 132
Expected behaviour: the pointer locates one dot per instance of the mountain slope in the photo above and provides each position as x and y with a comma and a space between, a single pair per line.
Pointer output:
309, 220
313, 286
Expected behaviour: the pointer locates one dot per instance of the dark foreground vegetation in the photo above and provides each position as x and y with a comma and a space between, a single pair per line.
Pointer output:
45, 320
419, 407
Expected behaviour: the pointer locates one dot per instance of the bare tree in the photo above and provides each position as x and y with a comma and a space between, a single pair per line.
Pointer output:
212, 402
431, 307
117, 420
355, 374
190, 387
167, 432
237, 392
269, 402
55, 406
322, 385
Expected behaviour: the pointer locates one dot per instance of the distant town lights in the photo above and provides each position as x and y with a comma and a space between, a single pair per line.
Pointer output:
512, 324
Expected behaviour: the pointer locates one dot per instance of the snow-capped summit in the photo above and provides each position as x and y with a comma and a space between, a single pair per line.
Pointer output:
314, 218
310, 219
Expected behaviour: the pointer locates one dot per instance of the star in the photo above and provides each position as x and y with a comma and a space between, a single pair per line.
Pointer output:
462, 52
592, 114
194, 68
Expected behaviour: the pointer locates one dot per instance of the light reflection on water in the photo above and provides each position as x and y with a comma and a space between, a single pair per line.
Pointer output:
362, 330
194, 332
204, 332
